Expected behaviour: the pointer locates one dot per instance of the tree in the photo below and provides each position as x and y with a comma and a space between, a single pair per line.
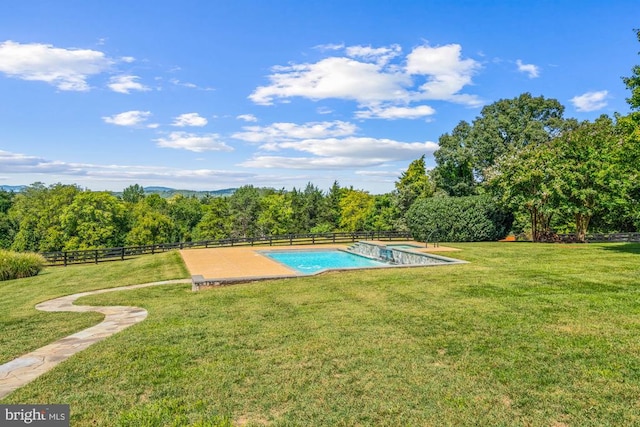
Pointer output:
150, 227
330, 220
186, 213
276, 214
8, 227
454, 173
383, 214
633, 83
355, 208
626, 156
586, 179
133, 194
413, 183
523, 181
244, 207
93, 220
215, 223
36, 211
503, 128
309, 208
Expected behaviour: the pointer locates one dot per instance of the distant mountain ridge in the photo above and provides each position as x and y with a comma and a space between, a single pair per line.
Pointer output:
168, 192
161, 191
14, 188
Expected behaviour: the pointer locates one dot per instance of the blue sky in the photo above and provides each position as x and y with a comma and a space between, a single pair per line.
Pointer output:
215, 94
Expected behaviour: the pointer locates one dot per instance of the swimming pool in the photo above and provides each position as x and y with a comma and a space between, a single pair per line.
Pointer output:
310, 262
403, 246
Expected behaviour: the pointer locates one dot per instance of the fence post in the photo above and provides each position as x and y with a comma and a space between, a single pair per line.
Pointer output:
65, 258
122, 254
96, 255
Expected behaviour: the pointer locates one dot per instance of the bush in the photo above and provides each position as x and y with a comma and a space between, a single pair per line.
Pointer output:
15, 265
458, 219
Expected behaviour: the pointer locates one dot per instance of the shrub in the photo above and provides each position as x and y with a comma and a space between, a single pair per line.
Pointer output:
16, 265
458, 219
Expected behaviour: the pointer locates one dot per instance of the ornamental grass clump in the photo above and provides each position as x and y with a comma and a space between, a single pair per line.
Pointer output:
16, 265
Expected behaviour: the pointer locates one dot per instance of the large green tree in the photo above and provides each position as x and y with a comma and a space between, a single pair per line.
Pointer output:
133, 193
37, 211
8, 227
216, 221
413, 184
633, 82
244, 207
454, 173
504, 127
150, 227
523, 182
586, 178
94, 220
276, 214
355, 207
186, 213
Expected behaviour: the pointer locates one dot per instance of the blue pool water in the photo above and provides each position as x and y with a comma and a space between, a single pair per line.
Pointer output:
309, 262
404, 246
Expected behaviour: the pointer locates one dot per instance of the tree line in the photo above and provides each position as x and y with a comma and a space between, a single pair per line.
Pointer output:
66, 217
555, 174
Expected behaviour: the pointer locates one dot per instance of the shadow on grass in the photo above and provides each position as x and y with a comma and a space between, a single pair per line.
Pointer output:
629, 248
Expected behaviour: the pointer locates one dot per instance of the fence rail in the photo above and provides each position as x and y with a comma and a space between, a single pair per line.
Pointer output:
127, 252
603, 237
613, 237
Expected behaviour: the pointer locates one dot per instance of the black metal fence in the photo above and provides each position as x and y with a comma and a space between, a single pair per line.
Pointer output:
115, 254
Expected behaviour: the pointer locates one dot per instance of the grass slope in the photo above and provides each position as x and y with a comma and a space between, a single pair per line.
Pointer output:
527, 334
25, 329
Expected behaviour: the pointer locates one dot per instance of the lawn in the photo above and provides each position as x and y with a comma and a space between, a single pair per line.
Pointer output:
526, 334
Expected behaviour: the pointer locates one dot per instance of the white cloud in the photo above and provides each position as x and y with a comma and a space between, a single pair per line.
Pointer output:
392, 113
341, 153
277, 132
380, 55
368, 76
129, 118
330, 46
193, 142
66, 69
189, 119
277, 162
247, 117
334, 77
446, 72
382, 150
532, 70
15, 163
590, 101
189, 85
128, 59
324, 110
126, 84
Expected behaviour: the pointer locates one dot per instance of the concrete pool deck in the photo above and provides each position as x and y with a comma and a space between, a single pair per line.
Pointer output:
246, 262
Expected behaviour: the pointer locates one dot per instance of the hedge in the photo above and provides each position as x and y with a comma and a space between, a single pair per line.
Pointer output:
458, 219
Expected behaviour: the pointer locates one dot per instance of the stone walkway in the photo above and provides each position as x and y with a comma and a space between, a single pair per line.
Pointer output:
26, 368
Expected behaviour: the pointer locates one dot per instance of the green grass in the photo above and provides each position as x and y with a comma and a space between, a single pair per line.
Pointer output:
526, 334
25, 329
